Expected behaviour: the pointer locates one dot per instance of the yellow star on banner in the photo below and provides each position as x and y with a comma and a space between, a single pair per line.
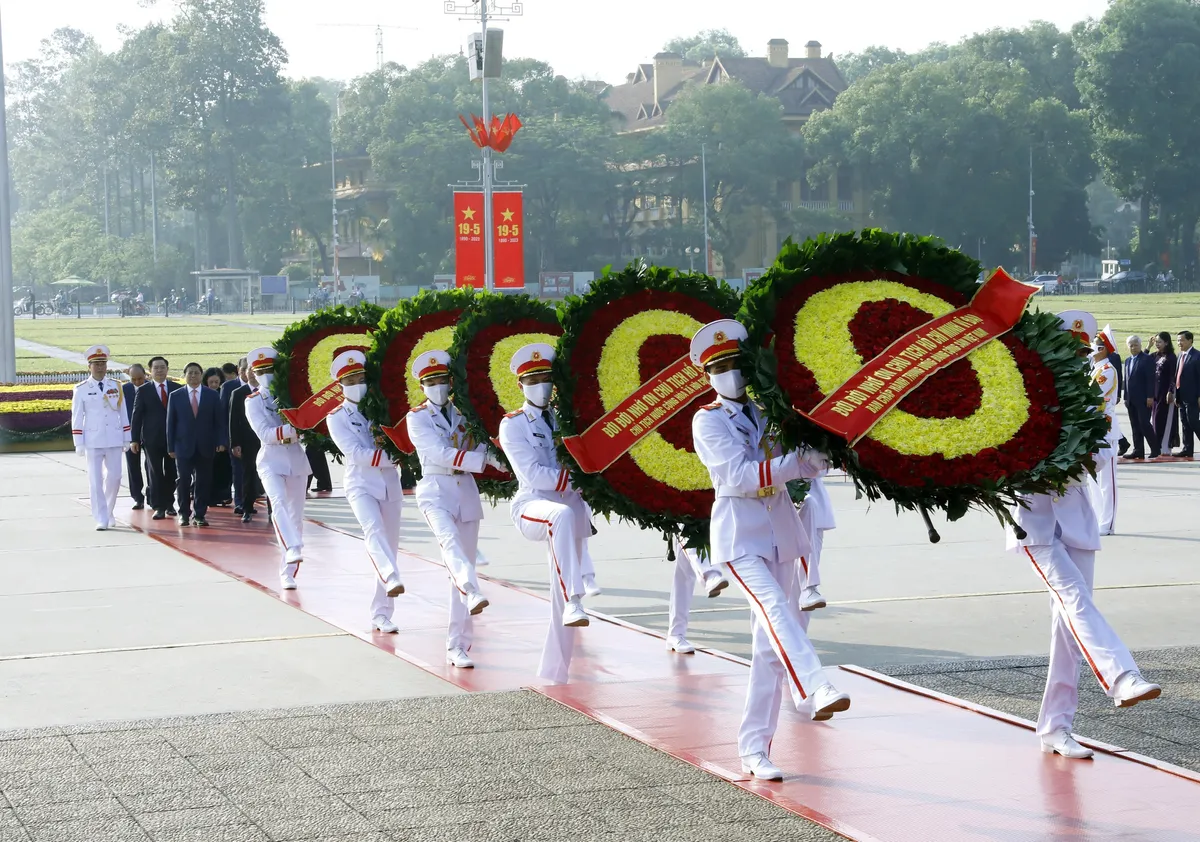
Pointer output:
508, 215
469, 213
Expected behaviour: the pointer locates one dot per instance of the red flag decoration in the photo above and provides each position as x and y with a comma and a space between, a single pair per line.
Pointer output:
468, 240
498, 136
509, 258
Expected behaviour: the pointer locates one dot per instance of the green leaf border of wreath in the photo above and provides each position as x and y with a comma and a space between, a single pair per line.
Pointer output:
1083, 429
574, 313
394, 321
489, 309
362, 315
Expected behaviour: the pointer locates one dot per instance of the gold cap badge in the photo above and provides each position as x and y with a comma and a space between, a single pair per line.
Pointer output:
719, 337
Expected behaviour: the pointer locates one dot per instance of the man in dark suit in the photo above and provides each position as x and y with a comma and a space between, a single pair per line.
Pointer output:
133, 462
244, 445
1139, 398
195, 435
234, 380
1187, 391
149, 430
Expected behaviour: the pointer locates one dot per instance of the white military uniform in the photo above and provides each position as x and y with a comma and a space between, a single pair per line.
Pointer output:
282, 466
1103, 486
547, 508
690, 567
816, 514
447, 495
100, 430
756, 534
373, 491
1061, 541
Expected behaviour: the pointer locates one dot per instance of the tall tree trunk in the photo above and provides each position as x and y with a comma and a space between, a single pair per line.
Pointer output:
142, 193
1144, 228
196, 255
133, 211
117, 201
231, 222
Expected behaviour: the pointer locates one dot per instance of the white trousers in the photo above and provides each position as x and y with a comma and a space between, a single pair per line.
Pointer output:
1078, 631
459, 543
287, 513
554, 523
1102, 489
808, 571
782, 654
689, 567
104, 477
380, 522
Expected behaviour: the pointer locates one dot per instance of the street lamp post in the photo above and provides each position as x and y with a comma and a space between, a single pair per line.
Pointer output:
1032, 235
8, 335
704, 191
691, 252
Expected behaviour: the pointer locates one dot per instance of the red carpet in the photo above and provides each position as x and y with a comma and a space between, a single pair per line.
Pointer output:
903, 764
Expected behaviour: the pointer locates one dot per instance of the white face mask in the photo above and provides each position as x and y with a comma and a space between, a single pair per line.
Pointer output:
264, 381
729, 384
538, 394
438, 393
355, 393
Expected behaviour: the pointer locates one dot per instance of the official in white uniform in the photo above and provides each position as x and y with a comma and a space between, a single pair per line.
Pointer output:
757, 536
816, 514
372, 484
546, 506
100, 430
690, 566
1061, 540
1103, 487
282, 466
448, 497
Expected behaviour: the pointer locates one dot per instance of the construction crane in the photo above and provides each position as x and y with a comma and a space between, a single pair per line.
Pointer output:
378, 27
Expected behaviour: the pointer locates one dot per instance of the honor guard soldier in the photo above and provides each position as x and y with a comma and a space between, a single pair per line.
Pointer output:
447, 495
546, 507
282, 466
1061, 540
816, 515
690, 566
756, 536
372, 484
1103, 487
100, 429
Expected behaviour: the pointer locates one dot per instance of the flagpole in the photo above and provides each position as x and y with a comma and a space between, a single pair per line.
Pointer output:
489, 247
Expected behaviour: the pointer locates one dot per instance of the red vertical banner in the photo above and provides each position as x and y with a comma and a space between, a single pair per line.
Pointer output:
509, 262
468, 240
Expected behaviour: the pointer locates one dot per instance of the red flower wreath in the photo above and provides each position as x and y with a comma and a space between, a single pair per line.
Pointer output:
954, 392
299, 385
479, 377
394, 371
625, 477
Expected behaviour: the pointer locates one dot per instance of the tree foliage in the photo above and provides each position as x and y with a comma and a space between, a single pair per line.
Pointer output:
706, 44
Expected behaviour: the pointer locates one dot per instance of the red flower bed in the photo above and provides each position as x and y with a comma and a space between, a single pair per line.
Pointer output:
954, 392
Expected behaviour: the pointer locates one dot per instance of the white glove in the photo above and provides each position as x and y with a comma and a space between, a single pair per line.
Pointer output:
492, 461
80, 450
816, 459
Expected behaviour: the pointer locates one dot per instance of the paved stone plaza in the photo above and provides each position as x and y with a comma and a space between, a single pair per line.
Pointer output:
147, 696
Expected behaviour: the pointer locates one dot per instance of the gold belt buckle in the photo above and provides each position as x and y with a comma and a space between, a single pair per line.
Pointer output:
767, 491
458, 473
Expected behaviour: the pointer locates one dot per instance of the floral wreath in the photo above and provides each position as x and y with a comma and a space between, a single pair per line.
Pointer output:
306, 350
419, 324
630, 326
1015, 416
484, 388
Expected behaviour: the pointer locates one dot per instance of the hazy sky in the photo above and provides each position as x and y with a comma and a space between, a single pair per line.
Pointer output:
607, 43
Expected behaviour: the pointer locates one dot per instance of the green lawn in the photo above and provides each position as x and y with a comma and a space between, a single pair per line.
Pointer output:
1144, 315
31, 363
136, 340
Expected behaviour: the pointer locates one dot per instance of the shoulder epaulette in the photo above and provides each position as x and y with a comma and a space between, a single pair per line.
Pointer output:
81, 383
514, 413
716, 405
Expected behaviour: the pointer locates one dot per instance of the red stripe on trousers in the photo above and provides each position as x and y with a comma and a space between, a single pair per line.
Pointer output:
553, 555
1070, 625
787, 662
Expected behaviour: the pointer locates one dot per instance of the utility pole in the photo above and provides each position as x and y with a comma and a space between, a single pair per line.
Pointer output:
333, 181
484, 10
8, 328
153, 209
704, 188
1032, 235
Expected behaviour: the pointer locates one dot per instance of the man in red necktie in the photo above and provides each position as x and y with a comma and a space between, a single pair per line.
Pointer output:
149, 428
1187, 392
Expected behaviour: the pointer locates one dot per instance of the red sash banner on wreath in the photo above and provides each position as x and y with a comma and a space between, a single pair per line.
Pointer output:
650, 406
852, 409
399, 437
316, 409
469, 261
508, 263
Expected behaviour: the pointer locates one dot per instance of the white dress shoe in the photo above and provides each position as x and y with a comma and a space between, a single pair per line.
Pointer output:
811, 599
713, 585
590, 588
1132, 688
826, 701
573, 614
1061, 742
286, 580
459, 658
394, 586
112, 524
476, 602
481, 559
384, 624
100, 527
680, 645
761, 767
